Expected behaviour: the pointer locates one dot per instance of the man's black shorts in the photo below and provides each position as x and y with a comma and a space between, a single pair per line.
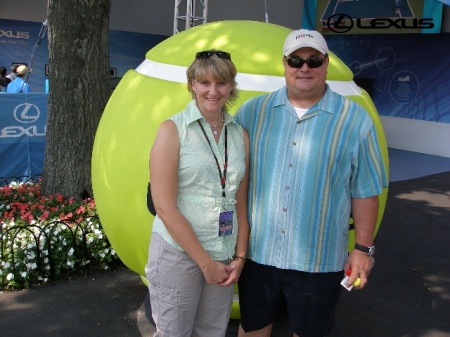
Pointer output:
308, 298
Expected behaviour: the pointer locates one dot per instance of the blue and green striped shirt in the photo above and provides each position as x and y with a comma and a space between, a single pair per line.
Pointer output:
303, 174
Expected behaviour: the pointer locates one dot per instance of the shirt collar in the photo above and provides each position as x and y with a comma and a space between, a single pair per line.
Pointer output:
327, 103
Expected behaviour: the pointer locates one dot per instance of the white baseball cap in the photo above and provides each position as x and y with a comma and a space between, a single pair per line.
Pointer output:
304, 38
21, 70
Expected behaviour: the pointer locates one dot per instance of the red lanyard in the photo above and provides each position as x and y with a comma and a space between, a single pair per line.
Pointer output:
223, 178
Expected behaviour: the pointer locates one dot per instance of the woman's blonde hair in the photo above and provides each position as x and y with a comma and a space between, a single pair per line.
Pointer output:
222, 69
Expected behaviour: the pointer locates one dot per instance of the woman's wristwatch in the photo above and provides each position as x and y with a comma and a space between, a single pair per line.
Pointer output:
237, 257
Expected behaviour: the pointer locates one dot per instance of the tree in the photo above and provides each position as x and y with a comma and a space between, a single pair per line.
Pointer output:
79, 91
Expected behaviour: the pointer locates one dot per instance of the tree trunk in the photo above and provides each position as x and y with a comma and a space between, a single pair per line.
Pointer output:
79, 91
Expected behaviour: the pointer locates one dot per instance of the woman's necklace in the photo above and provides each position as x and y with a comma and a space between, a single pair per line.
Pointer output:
214, 127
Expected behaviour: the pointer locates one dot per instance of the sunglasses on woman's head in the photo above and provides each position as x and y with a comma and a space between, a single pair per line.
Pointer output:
298, 62
208, 54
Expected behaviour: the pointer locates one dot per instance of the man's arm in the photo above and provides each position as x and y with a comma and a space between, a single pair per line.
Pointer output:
365, 214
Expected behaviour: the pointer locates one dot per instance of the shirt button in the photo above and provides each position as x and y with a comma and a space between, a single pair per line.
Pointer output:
294, 143
284, 209
290, 165
286, 187
282, 231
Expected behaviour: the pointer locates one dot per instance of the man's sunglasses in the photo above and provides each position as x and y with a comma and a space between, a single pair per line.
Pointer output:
207, 54
298, 62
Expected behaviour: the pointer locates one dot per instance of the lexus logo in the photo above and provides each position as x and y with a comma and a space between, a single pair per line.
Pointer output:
338, 23
26, 113
343, 23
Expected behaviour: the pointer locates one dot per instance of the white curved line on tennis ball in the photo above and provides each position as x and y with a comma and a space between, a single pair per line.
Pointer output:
250, 82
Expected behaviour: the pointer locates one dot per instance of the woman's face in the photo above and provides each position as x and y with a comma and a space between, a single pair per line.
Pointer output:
211, 95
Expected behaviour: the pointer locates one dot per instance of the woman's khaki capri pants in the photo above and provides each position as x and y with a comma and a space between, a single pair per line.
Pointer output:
183, 303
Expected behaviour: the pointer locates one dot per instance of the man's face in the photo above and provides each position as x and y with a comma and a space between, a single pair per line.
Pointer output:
306, 81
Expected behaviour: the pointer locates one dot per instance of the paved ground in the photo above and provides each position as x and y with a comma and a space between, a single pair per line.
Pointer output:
408, 294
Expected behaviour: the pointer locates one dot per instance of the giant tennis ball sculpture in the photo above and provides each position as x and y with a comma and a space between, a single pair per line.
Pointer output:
155, 90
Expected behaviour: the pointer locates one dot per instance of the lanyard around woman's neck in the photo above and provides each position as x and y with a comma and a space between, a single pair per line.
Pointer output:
223, 178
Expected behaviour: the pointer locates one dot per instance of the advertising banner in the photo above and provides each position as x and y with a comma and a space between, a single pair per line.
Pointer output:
399, 73
22, 134
373, 16
21, 42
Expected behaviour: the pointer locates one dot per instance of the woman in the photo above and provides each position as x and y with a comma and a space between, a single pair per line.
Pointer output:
199, 180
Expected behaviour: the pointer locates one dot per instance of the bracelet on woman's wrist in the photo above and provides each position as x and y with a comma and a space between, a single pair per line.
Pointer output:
237, 257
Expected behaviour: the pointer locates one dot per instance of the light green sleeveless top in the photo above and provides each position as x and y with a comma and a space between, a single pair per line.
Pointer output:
199, 187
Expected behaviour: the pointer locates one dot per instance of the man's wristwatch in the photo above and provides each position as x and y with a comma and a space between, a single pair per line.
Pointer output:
368, 250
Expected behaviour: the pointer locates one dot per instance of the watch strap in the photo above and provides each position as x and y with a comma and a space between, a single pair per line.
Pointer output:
368, 250
364, 249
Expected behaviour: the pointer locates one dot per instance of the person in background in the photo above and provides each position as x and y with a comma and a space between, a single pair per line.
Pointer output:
199, 180
4, 81
19, 85
398, 4
315, 162
12, 75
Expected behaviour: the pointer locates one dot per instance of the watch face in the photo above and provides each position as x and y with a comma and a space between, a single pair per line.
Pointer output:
372, 250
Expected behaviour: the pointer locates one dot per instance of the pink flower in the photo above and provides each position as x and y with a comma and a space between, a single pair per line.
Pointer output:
67, 216
81, 209
44, 215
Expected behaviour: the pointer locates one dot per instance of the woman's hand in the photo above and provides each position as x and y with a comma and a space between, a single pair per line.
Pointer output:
216, 272
235, 267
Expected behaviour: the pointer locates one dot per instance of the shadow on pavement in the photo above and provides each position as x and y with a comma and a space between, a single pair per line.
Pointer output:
408, 293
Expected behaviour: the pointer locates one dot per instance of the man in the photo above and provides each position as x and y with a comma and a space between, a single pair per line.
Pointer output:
19, 85
398, 3
315, 161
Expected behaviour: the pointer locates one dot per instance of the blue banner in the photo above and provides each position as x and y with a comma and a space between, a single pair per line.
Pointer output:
23, 120
23, 116
20, 43
17, 41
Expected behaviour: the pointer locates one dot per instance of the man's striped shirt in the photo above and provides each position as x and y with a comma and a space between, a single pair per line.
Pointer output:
303, 174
